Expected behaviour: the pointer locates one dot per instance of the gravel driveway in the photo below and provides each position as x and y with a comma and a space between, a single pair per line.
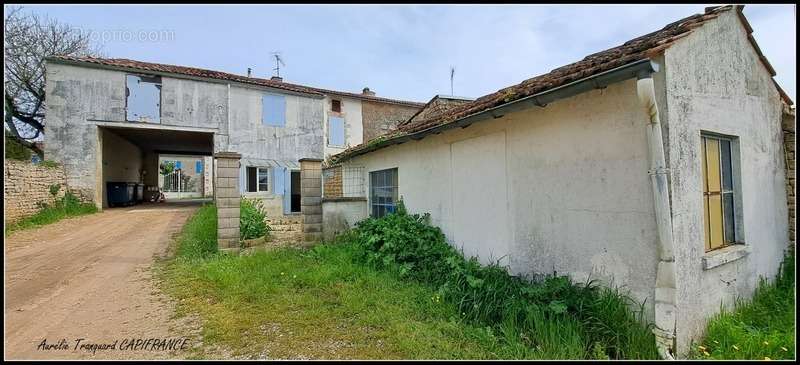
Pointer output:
88, 278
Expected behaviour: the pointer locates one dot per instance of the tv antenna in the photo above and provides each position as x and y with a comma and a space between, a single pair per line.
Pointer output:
452, 74
278, 63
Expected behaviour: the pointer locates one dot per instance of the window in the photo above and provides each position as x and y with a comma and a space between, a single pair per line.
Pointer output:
719, 193
336, 106
143, 102
273, 111
336, 131
257, 179
383, 192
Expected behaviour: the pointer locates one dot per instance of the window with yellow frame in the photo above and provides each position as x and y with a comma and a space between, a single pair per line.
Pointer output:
719, 204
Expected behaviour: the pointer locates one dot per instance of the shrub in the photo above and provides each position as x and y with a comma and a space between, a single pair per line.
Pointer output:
600, 319
54, 189
252, 221
15, 150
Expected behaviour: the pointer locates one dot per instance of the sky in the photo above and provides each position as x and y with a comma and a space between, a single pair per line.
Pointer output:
400, 51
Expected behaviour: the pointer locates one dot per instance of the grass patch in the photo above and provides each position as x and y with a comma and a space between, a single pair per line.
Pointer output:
350, 300
318, 303
763, 327
68, 206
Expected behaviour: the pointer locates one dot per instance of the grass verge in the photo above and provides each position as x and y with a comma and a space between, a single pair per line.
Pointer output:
758, 329
67, 206
318, 303
331, 303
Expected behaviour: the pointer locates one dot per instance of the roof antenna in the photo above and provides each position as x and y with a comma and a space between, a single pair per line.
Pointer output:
278, 63
452, 74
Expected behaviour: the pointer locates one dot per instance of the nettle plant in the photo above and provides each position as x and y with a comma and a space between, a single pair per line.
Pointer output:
488, 295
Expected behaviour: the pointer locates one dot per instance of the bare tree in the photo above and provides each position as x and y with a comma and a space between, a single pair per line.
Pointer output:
28, 40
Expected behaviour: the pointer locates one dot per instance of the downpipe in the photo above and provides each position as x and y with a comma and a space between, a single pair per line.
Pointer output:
665, 303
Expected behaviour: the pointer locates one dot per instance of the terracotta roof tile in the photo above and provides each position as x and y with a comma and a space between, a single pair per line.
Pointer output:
636, 49
199, 72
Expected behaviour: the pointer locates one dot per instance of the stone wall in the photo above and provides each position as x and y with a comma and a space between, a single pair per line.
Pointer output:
380, 118
789, 123
437, 106
332, 182
27, 188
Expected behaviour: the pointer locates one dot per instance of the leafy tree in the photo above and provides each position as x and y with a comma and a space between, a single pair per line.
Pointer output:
28, 40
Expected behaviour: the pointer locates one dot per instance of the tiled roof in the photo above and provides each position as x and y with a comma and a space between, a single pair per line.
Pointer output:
439, 104
199, 72
637, 49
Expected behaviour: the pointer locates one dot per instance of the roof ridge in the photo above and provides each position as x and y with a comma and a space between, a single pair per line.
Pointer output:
131, 63
634, 50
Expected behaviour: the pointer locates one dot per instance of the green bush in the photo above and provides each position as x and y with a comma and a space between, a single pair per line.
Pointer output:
15, 150
548, 313
68, 206
252, 221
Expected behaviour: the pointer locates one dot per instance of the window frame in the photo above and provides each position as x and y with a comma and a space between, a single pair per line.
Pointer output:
394, 186
160, 87
730, 187
258, 171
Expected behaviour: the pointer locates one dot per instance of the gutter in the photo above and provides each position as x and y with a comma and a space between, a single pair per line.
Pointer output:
665, 288
597, 81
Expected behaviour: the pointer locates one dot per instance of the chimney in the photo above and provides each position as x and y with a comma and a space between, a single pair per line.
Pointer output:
366, 91
249, 70
276, 78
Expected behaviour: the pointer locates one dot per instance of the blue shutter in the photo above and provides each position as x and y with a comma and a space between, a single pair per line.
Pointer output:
242, 177
198, 166
273, 110
287, 191
336, 131
277, 180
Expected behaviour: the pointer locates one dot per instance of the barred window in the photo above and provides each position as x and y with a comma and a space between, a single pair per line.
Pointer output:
383, 192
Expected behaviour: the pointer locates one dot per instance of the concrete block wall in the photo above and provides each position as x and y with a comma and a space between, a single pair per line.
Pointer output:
341, 214
26, 187
227, 196
311, 201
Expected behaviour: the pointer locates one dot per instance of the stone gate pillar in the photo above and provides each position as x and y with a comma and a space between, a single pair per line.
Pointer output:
311, 198
226, 197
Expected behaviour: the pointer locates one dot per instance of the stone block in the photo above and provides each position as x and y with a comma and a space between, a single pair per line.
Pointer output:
312, 227
311, 192
308, 200
228, 212
312, 218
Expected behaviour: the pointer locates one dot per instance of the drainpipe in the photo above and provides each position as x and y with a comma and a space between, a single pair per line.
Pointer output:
665, 308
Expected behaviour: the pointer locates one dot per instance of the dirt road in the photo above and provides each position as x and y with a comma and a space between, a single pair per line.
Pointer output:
89, 277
